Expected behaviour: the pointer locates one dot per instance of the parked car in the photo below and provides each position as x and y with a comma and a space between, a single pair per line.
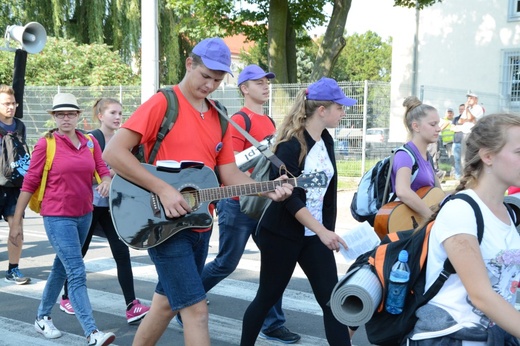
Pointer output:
377, 144
377, 135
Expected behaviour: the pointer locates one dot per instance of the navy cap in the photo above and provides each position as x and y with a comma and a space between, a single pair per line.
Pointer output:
253, 72
215, 54
327, 89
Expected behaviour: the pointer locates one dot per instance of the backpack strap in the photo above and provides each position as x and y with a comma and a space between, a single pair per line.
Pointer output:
448, 267
98, 134
172, 111
19, 129
247, 120
221, 110
91, 148
264, 149
415, 166
49, 157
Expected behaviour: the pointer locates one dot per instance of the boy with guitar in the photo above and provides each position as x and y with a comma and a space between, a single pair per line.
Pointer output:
196, 136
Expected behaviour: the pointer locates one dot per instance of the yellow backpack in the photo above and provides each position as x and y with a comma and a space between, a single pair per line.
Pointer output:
35, 203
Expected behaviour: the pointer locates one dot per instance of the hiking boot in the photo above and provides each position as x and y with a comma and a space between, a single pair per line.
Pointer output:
15, 276
66, 306
136, 312
47, 328
98, 338
282, 335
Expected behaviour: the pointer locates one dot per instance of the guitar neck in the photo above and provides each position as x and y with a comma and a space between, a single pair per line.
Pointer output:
217, 193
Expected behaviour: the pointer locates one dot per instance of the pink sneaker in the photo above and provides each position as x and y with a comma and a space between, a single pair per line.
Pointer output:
136, 312
66, 306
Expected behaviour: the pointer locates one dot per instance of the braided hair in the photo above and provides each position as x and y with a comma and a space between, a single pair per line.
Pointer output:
490, 132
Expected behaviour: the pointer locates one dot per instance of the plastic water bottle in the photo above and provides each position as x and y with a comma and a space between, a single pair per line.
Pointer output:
398, 285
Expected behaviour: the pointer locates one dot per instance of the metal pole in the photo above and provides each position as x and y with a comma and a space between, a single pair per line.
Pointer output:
149, 49
364, 143
415, 63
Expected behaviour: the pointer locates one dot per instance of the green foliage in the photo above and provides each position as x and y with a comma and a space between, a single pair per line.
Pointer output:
64, 62
412, 3
257, 54
365, 57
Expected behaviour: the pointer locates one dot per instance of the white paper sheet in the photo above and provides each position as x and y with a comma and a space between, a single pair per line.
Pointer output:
359, 240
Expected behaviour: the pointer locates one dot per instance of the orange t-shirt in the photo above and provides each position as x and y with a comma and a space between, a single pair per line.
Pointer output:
191, 138
261, 127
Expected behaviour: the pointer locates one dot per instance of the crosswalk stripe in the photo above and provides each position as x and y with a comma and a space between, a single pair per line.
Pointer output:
292, 299
221, 328
20, 333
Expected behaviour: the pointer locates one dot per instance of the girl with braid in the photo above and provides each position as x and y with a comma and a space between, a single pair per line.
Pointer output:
475, 306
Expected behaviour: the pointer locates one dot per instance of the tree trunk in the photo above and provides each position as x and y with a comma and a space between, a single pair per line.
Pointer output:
276, 39
333, 41
290, 44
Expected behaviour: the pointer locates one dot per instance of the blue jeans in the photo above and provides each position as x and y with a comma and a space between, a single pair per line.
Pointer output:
457, 149
179, 262
67, 235
234, 230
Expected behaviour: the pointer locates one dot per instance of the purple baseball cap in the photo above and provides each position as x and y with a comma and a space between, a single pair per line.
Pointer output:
327, 89
215, 54
253, 72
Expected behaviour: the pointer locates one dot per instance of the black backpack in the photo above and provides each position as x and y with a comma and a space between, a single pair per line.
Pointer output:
387, 329
172, 112
247, 120
15, 156
374, 187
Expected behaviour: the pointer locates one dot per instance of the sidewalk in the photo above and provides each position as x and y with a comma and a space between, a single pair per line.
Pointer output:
344, 219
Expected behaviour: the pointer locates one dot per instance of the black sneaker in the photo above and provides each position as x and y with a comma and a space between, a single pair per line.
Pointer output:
281, 334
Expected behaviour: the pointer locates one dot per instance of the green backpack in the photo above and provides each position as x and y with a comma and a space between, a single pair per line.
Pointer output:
172, 112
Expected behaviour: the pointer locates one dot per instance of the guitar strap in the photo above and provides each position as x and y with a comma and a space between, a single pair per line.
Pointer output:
264, 149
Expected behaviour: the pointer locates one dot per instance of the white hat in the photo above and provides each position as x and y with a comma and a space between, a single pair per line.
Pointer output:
64, 102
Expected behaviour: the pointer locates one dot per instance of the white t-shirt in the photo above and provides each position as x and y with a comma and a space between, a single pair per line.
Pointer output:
477, 111
500, 249
317, 160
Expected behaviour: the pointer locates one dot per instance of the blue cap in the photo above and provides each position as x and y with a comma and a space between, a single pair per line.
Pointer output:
215, 54
327, 89
253, 72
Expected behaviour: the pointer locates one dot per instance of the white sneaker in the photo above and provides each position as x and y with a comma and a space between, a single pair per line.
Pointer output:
47, 328
98, 338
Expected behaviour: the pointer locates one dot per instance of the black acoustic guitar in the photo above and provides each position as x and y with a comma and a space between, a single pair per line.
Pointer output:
139, 217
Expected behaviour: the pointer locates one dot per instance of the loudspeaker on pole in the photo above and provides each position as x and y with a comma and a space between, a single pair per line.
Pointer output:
32, 36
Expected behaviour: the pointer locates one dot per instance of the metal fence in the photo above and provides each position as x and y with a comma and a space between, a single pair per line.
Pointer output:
371, 110
353, 153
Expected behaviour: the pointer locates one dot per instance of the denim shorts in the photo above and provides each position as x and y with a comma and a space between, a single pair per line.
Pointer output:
179, 262
8, 199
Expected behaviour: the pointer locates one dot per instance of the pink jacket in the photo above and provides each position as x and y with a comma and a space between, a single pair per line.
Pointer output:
69, 182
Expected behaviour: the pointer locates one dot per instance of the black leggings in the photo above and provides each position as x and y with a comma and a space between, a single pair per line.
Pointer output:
278, 259
120, 252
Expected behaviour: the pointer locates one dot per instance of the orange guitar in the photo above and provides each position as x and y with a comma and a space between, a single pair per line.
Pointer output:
397, 216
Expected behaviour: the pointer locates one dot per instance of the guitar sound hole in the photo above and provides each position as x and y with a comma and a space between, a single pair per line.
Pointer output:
191, 197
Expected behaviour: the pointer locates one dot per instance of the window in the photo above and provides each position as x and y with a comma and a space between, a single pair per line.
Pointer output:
511, 78
514, 10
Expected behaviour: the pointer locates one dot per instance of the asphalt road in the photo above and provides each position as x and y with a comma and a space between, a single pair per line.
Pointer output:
228, 300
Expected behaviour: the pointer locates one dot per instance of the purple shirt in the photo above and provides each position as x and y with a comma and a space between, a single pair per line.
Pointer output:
425, 175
